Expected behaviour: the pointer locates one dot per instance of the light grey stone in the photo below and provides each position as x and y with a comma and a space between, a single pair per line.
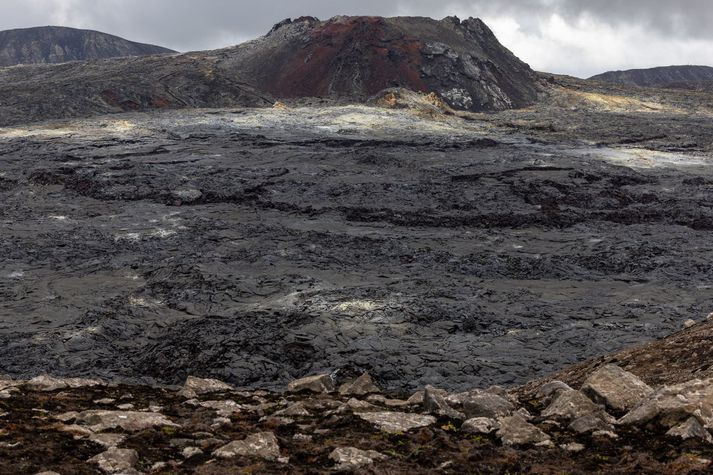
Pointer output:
297, 409
351, 458
569, 405
361, 386
434, 403
321, 383
197, 386
224, 408
674, 404
98, 420
108, 440
547, 392
591, 422
483, 404
116, 460
574, 447
691, 429
190, 452
480, 425
515, 430
616, 388
263, 445
397, 421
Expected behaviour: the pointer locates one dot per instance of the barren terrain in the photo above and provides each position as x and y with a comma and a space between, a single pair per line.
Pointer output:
258, 245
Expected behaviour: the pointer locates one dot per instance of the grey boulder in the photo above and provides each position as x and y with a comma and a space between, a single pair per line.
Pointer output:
616, 388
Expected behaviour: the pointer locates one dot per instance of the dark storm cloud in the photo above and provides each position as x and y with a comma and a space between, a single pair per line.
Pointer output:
574, 36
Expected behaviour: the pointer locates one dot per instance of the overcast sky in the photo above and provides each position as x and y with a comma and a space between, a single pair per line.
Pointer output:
578, 37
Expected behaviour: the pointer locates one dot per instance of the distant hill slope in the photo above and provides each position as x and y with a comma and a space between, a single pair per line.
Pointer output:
666, 76
55, 44
346, 59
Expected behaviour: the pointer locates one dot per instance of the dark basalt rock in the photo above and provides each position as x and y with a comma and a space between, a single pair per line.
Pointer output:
56, 44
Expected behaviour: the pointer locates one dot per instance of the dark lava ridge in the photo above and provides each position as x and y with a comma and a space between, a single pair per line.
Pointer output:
58, 44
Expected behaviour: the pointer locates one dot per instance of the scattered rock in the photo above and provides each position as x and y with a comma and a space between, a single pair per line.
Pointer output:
416, 399
672, 405
302, 438
551, 390
45, 383
434, 403
297, 409
691, 429
189, 452
263, 445
196, 386
570, 405
480, 425
99, 420
483, 404
224, 408
689, 323
572, 447
66, 416
125, 407
605, 433
515, 430
322, 383
108, 440
106, 400
356, 405
618, 389
116, 460
350, 458
49, 383
77, 431
591, 422
397, 421
361, 386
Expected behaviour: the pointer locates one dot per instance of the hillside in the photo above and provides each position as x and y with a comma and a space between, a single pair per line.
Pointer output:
667, 76
336, 59
55, 44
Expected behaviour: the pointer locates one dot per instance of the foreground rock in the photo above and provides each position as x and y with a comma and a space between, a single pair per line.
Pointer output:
515, 430
130, 421
671, 405
570, 405
50, 383
198, 386
618, 389
397, 421
361, 386
263, 445
116, 460
350, 458
294, 432
322, 383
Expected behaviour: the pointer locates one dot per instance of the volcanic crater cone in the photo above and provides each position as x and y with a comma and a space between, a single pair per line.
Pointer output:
348, 59
356, 57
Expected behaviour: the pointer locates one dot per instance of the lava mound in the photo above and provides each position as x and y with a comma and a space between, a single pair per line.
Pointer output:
55, 44
356, 57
